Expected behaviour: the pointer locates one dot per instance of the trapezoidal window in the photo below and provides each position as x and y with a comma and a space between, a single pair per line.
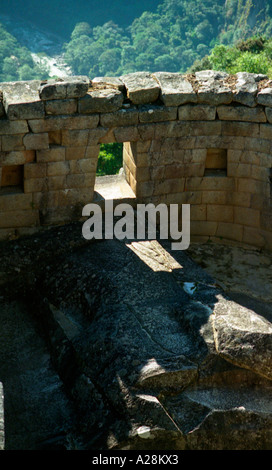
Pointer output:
111, 182
12, 178
216, 162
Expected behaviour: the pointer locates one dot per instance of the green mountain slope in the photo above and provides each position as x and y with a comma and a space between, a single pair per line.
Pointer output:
113, 38
60, 17
172, 38
244, 18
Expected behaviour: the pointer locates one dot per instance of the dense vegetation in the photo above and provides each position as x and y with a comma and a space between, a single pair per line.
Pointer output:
172, 38
253, 55
169, 35
110, 159
16, 62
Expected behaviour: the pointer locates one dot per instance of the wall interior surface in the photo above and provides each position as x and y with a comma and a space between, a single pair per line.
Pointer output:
203, 139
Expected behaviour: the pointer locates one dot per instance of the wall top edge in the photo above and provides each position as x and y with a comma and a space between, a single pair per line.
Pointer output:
107, 94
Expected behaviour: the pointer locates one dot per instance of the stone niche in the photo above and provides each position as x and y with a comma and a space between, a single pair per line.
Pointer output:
202, 139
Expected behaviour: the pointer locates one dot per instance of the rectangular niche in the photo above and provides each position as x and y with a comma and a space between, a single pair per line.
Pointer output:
216, 162
12, 178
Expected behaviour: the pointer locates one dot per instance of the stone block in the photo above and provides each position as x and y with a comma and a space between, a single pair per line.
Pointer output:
122, 117
246, 89
199, 112
268, 239
101, 135
21, 100
141, 87
13, 127
214, 197
220, 213
268, 112
249, 156
56, 182
265, 160
75, 138
74, 153
100, 83
12, 142
266, 131
238, 170
266, 220
198, 128
33, 185
220, 142
73, 196
35, 170
56, 107
60, 215
71, 87
212, 88
46, 200
234, 155
86, 165
19, 218
56, 123
126, 134
81, 181
152, 113
92, 151
230, 231
173, 185
146, 131
198, 212
175, 89
260, 173
253, 236
143, 189
55, 137
175, 170
58, 168
253, 186
210, 183
16, 157
101, 101
260, 202
264, 97
143, 147
247, 216
257, 144
238, 199
241, 128
241, 113
52, 154
36, 141
203, 227
15, 202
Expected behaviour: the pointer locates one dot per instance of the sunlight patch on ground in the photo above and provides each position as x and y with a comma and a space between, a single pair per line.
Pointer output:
154, 255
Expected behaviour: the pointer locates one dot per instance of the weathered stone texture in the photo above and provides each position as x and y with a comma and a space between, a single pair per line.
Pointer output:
141, 87
71, 87
21, 100
101, 101
175, 89
202, 139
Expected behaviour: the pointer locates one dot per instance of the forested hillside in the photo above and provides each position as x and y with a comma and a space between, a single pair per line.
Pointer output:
114, 38
172, 38
60, 17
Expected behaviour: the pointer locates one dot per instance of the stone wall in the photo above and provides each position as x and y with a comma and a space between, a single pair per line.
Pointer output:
202, 139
